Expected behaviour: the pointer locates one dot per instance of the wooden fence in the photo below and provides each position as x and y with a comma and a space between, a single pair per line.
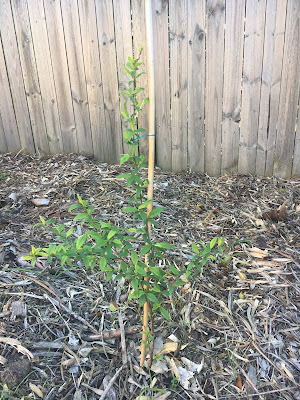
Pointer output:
227, 80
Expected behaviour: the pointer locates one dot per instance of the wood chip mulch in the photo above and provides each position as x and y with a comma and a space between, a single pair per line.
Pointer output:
234, 332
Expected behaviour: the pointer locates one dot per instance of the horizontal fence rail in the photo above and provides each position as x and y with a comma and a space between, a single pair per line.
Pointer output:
227, 77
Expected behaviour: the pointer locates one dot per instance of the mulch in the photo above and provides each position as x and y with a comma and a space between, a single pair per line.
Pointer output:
234, 332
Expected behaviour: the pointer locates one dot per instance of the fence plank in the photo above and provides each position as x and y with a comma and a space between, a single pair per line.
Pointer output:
296, 160
214, 85
253, 55
89, 35
289, 93
3, 145
14, 72
122, 21
10, 127
30, 76
233, 65
77, 75
106, 38
139, 39
61, 74
196, 84
178, 69
162, 84
270, 89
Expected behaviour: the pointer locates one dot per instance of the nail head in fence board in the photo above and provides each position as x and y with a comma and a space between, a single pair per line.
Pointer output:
296, 160
270, 89
214, 85
89, 35
77, 75
61, 75
106, 38
139, 39
289, 93
162, 84
178, 54
232, 97
15, 76
122, 22
196, 84
30, 76
252, 71
10, 127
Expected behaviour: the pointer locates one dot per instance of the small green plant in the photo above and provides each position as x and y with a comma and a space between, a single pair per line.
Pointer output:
119, 252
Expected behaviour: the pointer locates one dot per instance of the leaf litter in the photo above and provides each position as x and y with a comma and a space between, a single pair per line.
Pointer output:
234, 334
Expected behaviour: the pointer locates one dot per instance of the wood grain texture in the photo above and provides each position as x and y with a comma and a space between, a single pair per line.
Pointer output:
214, 85
232, 96
77, 75
179, 82
3, 144
106, 38
270, 85
252, 72
14, 71
61, 74
289, 93
162, 84
139, 39
93, 74
31, 80
124, 49
196, 84
296, 159
11, 134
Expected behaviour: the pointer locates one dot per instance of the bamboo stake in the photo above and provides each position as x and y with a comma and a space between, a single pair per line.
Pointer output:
150, 66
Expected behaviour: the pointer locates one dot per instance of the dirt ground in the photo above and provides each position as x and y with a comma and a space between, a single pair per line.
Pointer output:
234, 332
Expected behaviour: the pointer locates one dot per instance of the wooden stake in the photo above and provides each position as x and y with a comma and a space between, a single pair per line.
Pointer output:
150, 66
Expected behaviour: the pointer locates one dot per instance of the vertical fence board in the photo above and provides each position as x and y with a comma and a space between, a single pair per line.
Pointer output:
270, 89
214, 85
178, 69
77, 75
289, 93
233, 64
3, 145
7, 112
139, 39
162, 84
296, 160
32, 87
196, 84
89, 35
45, 74
122, 21
11, 52
252, 71
61, 75
106, 38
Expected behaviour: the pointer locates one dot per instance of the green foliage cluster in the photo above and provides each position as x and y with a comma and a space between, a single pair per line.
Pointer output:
119, 252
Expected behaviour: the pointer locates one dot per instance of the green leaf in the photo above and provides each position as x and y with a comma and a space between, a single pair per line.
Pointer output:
111, 234
123, 266
109, 275
173, 269
165, 313
145, 204
155, 212
164, 246
102, 263
80, 241
80, 216
146, 249
130, 209
135, 284
152, 297
195, 248
124, 158
134, 258
213, 242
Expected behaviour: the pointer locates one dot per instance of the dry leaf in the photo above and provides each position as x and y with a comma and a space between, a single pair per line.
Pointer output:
242, 275
40, 202
282, 211
272, 215
36, 390
239, 382
258, 253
